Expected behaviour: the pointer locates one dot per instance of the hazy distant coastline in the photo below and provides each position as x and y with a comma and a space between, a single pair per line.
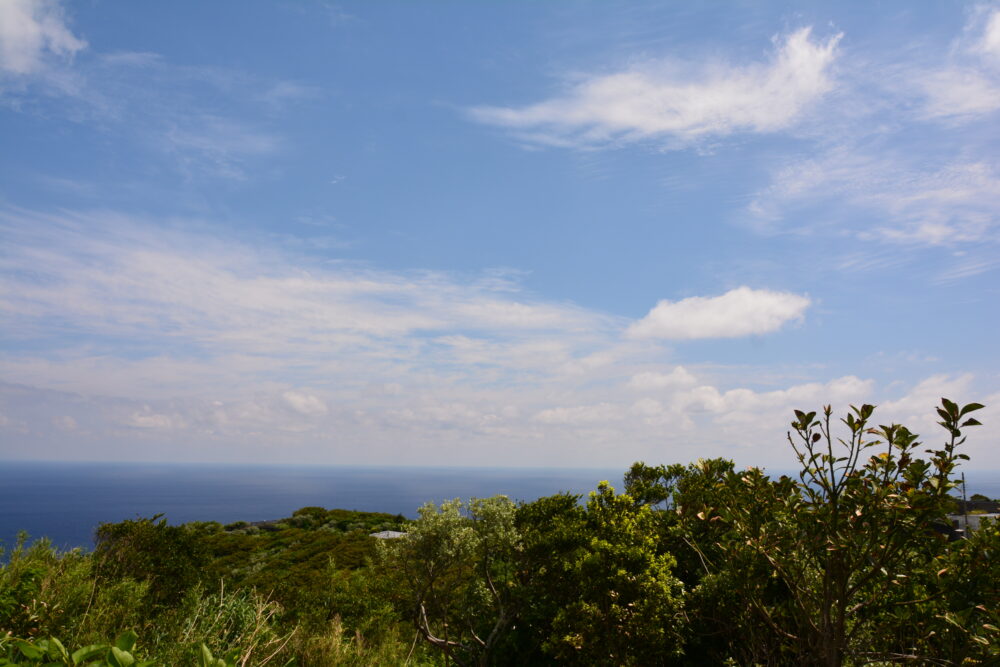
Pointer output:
65, 501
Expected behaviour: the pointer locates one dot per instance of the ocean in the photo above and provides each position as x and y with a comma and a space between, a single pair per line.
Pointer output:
66, 501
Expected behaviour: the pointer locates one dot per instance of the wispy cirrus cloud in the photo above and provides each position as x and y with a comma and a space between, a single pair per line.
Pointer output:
677, 101
217, 144
899, 201
108, 275
908, 168
124, 308
206, 120
960, 92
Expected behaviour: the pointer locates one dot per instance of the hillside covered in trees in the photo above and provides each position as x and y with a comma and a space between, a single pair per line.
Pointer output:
852, 561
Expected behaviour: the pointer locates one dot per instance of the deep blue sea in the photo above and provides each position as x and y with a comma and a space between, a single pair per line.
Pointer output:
66, 501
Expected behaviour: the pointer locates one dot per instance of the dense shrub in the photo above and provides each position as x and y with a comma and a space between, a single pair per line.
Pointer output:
848, 562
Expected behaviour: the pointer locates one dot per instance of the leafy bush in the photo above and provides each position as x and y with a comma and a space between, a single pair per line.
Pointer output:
51, 653
848, 561
169, 558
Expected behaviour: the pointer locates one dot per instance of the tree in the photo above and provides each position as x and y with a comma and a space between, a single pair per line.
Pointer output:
843, 538
721, 626
169, 558
457, 575
553, 534
626, 607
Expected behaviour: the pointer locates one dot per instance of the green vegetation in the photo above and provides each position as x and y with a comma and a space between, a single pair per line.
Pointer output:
849, 562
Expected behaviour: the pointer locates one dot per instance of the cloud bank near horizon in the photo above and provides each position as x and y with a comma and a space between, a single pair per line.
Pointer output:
183, 337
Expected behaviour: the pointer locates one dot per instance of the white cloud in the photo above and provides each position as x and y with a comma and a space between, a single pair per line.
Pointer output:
432, 421
198, 349
305, 403
989, 42
913, 409
31, 33
651, 380
582, 414
141, 96
960, 92
151, 420
110, 276
881, 178
742, 405
682, 421
680, 100
255, 311
65, 422
969, 85
738, 312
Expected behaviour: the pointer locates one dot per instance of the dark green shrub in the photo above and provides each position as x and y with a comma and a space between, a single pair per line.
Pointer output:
169, 558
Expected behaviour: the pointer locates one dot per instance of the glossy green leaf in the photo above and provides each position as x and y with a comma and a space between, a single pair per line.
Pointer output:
126, 640
971, 407
29, 650
82, 655
57, 651
950, 406
120, 658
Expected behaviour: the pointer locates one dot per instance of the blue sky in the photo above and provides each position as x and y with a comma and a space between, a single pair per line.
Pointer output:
522, 234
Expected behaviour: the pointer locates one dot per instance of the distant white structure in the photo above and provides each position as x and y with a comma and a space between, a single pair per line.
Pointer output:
388, 534
958, 520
